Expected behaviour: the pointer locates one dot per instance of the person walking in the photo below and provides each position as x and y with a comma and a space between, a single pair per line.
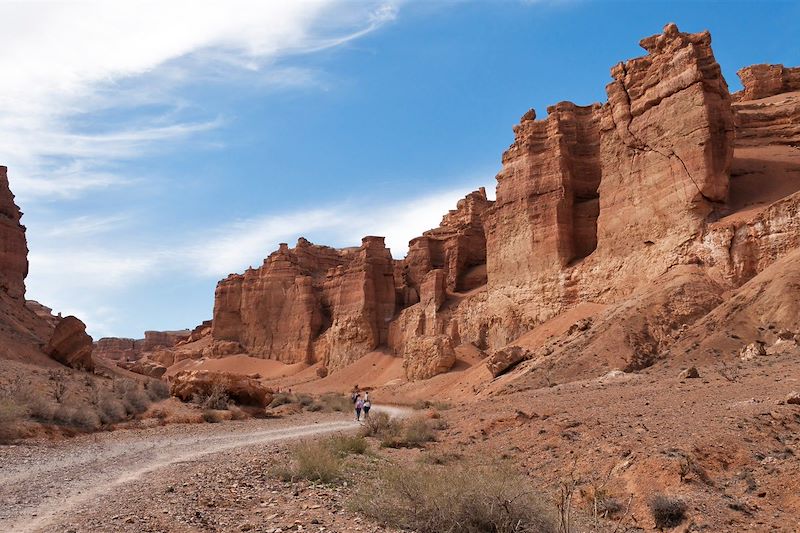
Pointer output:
367, 405
359, 407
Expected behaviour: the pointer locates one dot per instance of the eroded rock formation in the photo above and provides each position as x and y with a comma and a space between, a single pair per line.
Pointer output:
13, 246
71, 345
244, 390
670, 182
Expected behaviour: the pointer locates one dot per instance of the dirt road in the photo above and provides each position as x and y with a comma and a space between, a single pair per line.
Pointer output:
41, 486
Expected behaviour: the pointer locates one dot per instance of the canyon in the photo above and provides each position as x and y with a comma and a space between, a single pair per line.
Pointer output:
672, 194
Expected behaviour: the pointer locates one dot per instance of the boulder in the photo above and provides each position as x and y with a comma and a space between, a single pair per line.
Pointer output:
793, 398
689, 373
243, 390
502, 360
71, 345
752, 350
426, 357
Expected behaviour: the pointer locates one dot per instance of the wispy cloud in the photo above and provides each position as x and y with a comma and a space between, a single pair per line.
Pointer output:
66, 61
102, 272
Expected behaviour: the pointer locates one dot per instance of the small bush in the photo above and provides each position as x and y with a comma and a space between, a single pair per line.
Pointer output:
420, 405
85, 418
413, 433
379, 424
348, 444
314, 407
305, 400
467, 498
135, 400
281, 398
11, 415
110, 409
212, 416
237, 413
216, 399
157, 390
316, 461
667, 511
336, 402
444, 458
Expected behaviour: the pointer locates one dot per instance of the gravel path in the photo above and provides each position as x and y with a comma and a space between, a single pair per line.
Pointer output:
41, 485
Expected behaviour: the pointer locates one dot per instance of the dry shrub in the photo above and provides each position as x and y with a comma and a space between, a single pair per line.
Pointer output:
421, 405
11, 415
135, 400
110, 409
334, 402
463, 498
379, 424
237, 413
216, 399
348, 444
413, 433
281, 398
440, 458
305, 400
667, 511
314, 407
317, 461
157, 390
212, 416
85, 418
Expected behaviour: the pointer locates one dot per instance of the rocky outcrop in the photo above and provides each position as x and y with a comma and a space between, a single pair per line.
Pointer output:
13, 245
502, 360
124, 349
117, 349
310, 303
762, 81
661, 177
457, 246
71, 345
145, 366
425, 357
652, 206
545, 215
244, 390
361, 300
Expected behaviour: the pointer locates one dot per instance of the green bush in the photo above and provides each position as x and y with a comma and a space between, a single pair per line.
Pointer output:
463, 499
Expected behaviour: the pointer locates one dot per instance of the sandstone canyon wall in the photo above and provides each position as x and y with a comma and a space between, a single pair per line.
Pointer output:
28, 330
672, 181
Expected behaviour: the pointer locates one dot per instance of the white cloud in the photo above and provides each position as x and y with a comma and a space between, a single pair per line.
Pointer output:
63, 61
66, 273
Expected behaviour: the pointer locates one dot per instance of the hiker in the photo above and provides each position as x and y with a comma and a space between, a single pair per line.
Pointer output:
359, 407
354, 396
367, 405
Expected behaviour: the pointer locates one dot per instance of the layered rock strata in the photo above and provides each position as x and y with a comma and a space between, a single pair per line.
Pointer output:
594, 203
13, 245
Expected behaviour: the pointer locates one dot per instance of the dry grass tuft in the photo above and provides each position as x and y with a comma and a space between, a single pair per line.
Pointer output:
463, 498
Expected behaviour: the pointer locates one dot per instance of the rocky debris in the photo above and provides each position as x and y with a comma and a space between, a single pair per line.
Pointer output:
425, 357
793, 398
503, 360
14, 250
762, 81
689, 373
752, 350
145, 366
71, 345
199, 332
243, 390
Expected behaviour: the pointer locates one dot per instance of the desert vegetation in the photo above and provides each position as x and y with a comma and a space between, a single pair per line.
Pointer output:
70, 401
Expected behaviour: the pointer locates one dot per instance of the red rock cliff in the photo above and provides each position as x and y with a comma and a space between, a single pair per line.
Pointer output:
13, 246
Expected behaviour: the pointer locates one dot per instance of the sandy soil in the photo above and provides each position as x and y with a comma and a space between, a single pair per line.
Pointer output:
83, 484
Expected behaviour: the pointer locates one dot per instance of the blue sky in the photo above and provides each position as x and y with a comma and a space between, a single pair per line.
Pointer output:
154, 149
